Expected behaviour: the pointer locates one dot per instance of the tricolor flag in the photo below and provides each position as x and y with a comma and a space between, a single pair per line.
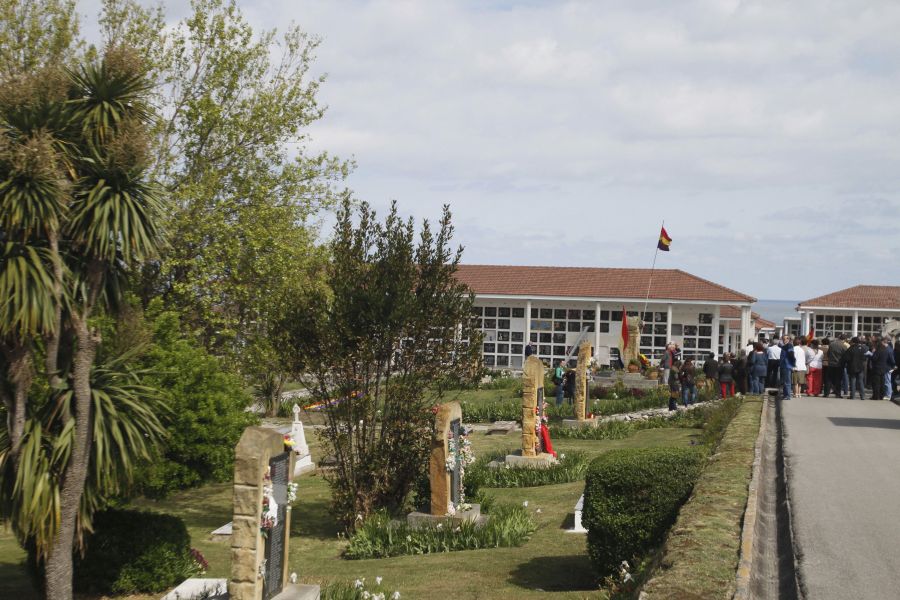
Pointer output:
664, 240
624, 329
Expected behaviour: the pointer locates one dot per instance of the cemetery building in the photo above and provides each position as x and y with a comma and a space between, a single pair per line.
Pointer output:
858, 310
556, 308
730, 329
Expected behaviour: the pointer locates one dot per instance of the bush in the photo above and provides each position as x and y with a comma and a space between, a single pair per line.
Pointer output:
632, 497
488, 412
136, 552
359, 589
509, 525
208, 412
571, 467
608, 430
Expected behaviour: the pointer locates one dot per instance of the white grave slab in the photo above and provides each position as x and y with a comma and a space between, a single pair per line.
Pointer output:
579, 528
196, 588
303, 460
223, 530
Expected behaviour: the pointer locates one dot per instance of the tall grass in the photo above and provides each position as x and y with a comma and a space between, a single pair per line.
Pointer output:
509, 525
571, 467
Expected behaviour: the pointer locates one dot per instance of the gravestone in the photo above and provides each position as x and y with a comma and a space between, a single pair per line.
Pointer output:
303, 460
532, 398
446, 486
262, 519
634, 340
581, 387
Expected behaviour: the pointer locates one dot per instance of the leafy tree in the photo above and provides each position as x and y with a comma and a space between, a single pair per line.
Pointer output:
209, 403
77, 215
379, 349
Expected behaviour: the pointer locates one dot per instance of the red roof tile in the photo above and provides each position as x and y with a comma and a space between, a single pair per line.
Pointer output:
860, 296
590, 282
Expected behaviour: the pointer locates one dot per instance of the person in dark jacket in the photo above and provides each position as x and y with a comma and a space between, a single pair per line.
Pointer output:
882, 365
854, 360
758, 365
786, 366
741, 372
686, 377
570, 385
711, 370
895, 391
834, 372
673, 383
726, 376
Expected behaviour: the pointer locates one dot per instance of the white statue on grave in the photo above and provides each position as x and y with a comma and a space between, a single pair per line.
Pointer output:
304, 460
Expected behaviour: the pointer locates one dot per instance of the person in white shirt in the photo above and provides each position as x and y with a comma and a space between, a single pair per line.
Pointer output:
800, 368
773, 354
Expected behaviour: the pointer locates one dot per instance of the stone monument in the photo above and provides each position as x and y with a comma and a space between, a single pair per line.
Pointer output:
262, 520
634, 340
447, 493
581, 384
302, 459
532, 398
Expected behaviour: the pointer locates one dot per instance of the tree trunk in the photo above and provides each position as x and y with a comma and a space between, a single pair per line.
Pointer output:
20, 375
58, 576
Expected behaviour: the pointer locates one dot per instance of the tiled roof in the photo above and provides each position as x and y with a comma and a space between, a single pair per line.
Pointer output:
860, 296
733, 312
590, 282
764, 324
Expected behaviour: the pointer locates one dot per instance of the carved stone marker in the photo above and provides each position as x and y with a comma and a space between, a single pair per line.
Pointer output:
446, 485
532, 381
634, 340
441, 480
303, 460
581, 388
262, 475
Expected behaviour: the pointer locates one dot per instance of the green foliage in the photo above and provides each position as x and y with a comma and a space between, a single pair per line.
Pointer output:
571, 467
209, 405
358, 590
378, 349
632, 497
135, 552
488, 412
716, 418
608, 430
380, 537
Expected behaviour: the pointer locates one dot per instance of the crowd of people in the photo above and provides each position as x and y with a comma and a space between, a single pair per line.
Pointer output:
796, 365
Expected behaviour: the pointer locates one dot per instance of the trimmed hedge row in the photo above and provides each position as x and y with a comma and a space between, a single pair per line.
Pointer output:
632, 497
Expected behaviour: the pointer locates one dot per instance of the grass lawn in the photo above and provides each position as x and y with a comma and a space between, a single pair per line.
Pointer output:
552, 561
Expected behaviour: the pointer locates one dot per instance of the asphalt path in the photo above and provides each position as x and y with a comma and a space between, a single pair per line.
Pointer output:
842, 465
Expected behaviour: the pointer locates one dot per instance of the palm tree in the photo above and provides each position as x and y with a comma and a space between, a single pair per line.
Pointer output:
77, 215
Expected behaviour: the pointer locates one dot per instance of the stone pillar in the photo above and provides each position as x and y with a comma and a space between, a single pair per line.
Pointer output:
532, 381
668, 323
249, 565
634, 340
528, 326
597, 307
717, 315
746, 326
855, 330
437, 464
581, 387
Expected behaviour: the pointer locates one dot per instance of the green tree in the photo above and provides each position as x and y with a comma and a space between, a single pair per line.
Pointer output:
209, 404
379, 349
77, 216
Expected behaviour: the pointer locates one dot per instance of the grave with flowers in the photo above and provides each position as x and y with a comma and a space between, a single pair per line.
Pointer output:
537, 449
263, 494
451, 452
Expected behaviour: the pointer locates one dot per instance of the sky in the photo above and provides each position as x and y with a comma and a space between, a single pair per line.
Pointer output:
766, 135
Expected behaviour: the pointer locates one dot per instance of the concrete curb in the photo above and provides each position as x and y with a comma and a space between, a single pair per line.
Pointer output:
748, 533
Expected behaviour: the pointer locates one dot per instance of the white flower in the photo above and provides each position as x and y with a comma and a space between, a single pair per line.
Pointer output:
378, 596
395, 596
440, 525
359, 516
358, 583
409, 538
378, 581
366, 595
562, 456
525, 504
538, 511
293, 578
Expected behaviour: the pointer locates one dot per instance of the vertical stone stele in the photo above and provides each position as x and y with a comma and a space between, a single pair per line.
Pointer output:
634, 340
532, 381
581, 391
259, 450
437, 463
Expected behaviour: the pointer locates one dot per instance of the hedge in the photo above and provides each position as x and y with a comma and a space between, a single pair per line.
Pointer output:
632, 497
132, 551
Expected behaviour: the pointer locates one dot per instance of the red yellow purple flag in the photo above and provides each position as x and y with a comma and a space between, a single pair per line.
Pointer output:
624, 343
664, 240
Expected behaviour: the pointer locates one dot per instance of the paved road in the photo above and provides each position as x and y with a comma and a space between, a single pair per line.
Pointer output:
842, 463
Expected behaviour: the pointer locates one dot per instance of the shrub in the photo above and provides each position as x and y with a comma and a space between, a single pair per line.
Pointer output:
488, 412
509, 525
359, 589
608, 430
571, 467
136, 552
631, 498
208, 407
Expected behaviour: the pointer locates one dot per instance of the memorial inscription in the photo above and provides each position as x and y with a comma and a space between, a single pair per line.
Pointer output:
274, 549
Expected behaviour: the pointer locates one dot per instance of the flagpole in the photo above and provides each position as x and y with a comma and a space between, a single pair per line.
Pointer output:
650, 281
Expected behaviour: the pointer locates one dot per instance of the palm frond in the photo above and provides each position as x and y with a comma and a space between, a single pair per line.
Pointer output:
27, 299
